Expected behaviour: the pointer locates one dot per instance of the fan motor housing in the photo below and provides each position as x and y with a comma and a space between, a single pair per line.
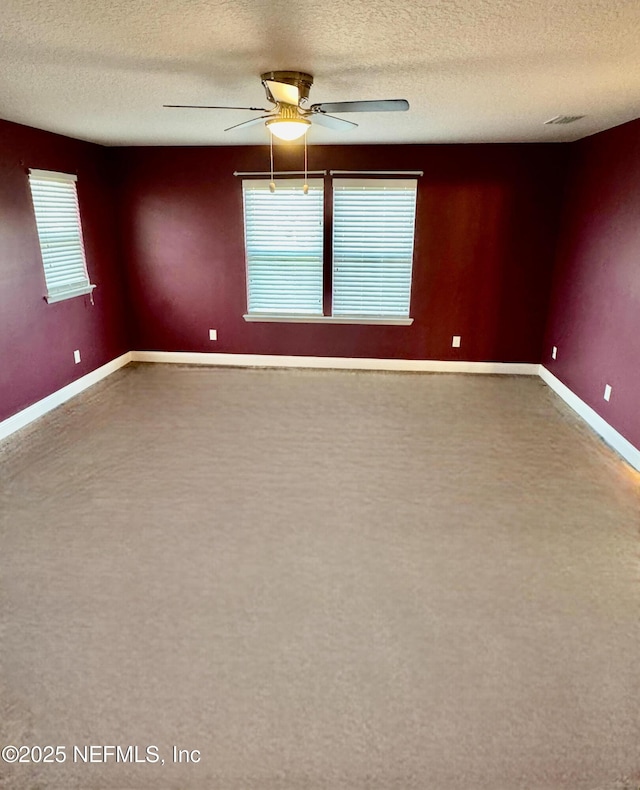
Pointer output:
298, 78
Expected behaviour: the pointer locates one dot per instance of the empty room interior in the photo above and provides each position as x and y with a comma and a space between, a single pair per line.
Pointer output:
320, 395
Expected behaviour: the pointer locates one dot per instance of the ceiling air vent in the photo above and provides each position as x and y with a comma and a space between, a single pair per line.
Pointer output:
561, 119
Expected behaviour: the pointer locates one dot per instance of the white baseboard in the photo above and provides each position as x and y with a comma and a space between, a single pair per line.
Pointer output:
594, 420
344, 363
41, 407
612, 437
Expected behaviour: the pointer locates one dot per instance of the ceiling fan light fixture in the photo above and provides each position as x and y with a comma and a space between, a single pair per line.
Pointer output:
289, 117
288, 128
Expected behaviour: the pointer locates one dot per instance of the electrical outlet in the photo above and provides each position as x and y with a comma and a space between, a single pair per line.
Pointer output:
213, 334
607, 392
76, 356
554, 352
456, 341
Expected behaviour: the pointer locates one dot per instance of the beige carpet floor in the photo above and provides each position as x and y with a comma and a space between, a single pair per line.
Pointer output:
319, 580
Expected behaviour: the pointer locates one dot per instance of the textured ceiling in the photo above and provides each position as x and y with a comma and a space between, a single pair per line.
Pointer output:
472, 70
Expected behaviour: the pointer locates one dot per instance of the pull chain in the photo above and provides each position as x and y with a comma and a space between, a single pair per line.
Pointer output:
272, 183
305, 188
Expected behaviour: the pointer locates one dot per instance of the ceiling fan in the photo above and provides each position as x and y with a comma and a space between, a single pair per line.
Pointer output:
291, 116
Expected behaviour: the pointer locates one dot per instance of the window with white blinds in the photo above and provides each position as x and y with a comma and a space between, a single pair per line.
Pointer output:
283, 242
55, 202
373, 232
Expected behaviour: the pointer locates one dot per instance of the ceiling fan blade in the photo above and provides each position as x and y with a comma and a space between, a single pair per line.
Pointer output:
250, 122
331, 122
381, 105
283, 93
208, 107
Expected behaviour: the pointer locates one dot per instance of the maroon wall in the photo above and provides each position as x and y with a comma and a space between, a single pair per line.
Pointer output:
595, 312
485, 236
37, 339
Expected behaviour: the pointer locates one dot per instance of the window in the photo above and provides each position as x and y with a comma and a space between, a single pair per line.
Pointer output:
373, 225
55, 202
283, 242
371, 269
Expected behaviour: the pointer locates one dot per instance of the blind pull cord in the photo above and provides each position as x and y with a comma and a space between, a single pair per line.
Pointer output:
272, 183
305, 188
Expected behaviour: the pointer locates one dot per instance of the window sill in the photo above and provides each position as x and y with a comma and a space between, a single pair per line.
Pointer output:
59, 297
271, 318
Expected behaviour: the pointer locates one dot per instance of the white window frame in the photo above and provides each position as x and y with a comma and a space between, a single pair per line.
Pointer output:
264, 263
273, 316
55, 203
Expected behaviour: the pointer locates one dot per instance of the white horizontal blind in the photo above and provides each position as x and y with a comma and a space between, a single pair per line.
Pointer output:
283, 242
373, 231
55, 202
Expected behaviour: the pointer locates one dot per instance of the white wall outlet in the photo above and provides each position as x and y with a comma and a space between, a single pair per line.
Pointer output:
213, 334
76, 356
456, 341
554, 352
607, 392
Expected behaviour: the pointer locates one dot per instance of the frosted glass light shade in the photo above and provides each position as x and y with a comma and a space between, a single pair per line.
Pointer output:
288, 130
